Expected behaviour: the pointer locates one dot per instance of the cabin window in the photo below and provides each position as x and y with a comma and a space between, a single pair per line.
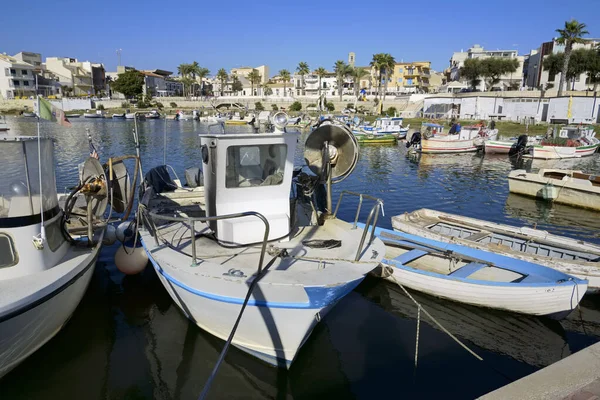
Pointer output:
260, 165
54, 235
8, 253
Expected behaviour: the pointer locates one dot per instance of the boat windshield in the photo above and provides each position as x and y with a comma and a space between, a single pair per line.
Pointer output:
255, 165
20, 179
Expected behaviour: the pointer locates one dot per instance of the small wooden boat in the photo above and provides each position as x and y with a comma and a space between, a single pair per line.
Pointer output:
513, 146
71, 116
367, 138
97, 114
570, 187
119, 116
572, 142
470, 138
153, 115
478, 277
564, 254
384, 126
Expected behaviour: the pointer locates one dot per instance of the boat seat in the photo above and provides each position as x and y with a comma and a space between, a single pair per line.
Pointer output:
410, 256
478, 236
466, 270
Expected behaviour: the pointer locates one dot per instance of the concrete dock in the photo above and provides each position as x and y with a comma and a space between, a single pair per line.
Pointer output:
576, 377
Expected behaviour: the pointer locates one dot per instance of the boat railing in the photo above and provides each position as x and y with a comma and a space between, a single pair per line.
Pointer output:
149, 217
371, 219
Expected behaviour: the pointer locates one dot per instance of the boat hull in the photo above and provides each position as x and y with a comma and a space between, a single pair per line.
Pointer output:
532, 185
498, 147
558, 152
376, 139
25, 330
273, 332
434, 145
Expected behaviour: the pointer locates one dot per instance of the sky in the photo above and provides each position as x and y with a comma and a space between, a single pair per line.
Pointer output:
233, 33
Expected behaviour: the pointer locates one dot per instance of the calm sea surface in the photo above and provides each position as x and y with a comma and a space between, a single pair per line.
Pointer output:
127, 340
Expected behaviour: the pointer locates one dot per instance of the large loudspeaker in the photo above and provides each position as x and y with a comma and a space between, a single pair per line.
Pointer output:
342, 148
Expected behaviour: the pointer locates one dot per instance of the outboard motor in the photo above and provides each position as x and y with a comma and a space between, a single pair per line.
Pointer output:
415, 140
518, 148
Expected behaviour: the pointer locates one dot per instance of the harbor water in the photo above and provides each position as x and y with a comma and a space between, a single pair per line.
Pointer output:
128, 340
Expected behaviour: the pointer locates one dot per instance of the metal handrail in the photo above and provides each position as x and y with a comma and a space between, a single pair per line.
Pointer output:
373, 215
192, 220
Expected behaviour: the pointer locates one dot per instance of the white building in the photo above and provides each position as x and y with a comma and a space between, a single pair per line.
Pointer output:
514, 79
536, 76
17, 78
71, 73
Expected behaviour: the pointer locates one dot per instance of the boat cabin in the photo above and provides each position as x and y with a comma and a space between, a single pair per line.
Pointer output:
576, 132
435, 129
389, 123
248, 172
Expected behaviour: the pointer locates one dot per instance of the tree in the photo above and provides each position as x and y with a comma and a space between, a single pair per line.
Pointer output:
274, 107
321, 72
572, 33
580, 61
267, 91
341, 70
296, 106
471, 70
383, 63
258, 106
222, 77
184, 71
357, 75
254, 78
187, 82
202, 73
494, 67
285, 75
236, 85
303, 70
130, 83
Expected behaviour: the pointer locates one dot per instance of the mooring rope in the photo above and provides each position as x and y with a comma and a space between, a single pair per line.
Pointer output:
420, 307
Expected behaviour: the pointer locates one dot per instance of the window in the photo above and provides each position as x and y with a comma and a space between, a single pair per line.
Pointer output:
8, 253
54, 234
13, 71
24, 71
261, 165
26, 83
409, 81
16, 82
399, 80
400, 70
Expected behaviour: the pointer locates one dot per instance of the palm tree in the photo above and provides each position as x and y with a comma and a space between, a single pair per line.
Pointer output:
222, 77
341, 70
202, 73
184, 71
266, 89
383, 64
321, 72
285, 75
254, 78
357, 75
572, 33
302, 70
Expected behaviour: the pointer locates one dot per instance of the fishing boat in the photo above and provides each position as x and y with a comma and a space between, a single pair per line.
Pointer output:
385, 126
238, 241
514, 146
477, 277
470, 138
368, 138
97, 114
119, 116
42, 280
571, 187
152, 115
573, 141
570, 256
180, 115
3, 125
70, 116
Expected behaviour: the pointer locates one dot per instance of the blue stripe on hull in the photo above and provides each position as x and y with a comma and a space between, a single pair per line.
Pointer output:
318, 296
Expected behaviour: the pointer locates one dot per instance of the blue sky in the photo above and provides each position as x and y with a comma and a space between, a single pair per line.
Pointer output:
226, 34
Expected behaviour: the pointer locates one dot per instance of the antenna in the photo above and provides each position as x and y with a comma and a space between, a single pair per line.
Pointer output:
119, 51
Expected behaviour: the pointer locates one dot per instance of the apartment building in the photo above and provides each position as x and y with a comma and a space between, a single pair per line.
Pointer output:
17, 78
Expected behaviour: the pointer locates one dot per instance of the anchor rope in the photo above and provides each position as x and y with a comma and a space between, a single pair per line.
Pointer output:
417, 339
457, 340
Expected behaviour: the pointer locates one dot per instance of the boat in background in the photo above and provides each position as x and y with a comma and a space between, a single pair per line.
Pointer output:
42, 280
71, 116
152, 115
3, 125
119, 116
570, 256
97, 114
384, 126
481, 278
573, 141
470, 138
570, 187
513, 146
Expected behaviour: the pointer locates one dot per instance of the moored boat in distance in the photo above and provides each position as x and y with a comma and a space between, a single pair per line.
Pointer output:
119, 116
384, 126
97, 114
570, 187
70, 116
573, 141
481, 278
469, 138
573, 257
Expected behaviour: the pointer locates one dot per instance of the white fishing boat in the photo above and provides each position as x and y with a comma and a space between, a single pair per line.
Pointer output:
470, 138
570, 187
384, 126
42, 279
3, 125
97, 114
477, 277
181, 115
513, 146
119, 116
564, 254
572, 142
152, 115
240, 241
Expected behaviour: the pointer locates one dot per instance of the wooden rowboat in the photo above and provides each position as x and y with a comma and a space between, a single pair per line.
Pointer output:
567, 255
477, 277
